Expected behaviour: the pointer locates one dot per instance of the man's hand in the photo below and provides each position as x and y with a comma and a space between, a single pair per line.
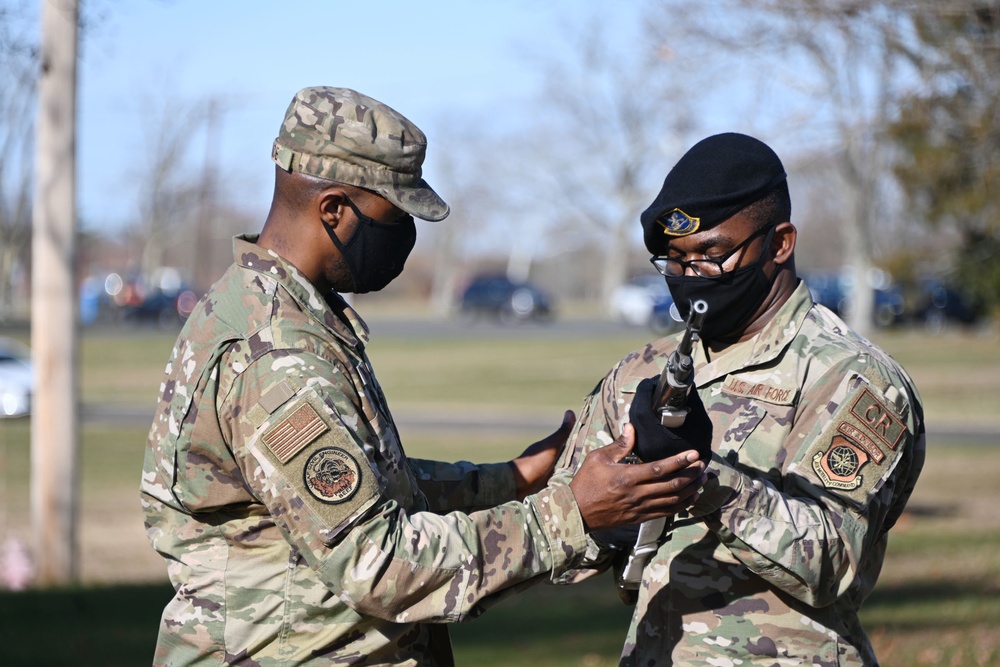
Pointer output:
654, 441
534, 466
610, 493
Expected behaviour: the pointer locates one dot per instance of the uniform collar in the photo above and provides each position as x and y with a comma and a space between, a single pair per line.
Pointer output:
766, 346
331, 312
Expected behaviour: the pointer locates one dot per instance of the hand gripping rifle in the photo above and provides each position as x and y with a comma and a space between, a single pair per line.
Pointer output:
670, 399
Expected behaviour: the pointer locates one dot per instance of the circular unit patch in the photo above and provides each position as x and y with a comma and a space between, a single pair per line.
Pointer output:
843, 461
332, 475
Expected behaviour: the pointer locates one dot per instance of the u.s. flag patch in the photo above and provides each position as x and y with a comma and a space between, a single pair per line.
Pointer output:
289, 436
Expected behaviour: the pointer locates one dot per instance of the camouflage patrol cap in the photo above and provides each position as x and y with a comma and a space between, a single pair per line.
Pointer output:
716, 179
344, 136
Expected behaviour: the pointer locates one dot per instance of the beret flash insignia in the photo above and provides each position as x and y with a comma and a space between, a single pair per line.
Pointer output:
678, 223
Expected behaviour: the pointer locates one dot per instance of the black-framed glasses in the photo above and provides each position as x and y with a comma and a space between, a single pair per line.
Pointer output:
705, 267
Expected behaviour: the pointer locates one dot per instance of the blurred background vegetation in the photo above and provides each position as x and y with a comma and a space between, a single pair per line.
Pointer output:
884, 113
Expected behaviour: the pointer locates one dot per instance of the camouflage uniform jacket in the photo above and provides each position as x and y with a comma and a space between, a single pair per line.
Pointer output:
295, 529
818, 440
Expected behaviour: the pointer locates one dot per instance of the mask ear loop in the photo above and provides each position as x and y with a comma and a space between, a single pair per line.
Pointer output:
342, 247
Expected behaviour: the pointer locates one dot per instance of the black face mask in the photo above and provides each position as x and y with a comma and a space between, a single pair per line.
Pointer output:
732, 297
376, 252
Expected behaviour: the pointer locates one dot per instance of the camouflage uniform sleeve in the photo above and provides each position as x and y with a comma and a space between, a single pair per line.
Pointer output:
853, 457
597, 425
464, 486
306, 453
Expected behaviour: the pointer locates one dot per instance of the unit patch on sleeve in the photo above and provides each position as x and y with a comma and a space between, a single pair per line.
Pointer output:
859, 447
332, 475
289, 436
876, 417
839, 467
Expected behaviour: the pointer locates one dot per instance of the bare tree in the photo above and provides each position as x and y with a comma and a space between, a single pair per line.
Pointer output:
18, 63
175, 197
841, 60
465, 178
601, 149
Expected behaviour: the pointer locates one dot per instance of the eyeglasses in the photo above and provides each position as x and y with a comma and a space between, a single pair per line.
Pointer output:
706, 267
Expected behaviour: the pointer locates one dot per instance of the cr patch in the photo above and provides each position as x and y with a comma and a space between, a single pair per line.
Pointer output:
876, 417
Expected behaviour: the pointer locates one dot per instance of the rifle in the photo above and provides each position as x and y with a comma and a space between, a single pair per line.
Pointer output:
676, 379
670, 399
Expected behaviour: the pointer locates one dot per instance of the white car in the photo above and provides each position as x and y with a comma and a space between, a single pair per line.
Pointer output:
16, 379
632, 303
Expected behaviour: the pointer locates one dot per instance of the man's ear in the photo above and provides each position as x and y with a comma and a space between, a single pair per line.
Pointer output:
783, 243
331, 204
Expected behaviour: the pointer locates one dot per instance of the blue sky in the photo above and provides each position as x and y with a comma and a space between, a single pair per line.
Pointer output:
424, 59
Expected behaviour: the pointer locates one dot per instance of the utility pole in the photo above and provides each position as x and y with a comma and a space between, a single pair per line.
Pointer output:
54, 411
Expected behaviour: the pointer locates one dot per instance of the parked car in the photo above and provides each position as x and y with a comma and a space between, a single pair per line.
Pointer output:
939, 303
17, 379
163, 307
833, 291
633, 302
505, 300
664, 316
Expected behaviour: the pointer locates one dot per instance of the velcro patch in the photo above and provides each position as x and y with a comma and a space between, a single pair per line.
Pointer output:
332, 475
276, 396
858, 437
876, 417
839, 467
289, 436
759, 390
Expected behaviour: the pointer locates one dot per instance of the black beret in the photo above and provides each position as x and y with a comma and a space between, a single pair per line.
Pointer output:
716, 179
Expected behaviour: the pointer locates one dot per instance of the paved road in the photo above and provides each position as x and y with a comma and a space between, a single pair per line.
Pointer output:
530, 425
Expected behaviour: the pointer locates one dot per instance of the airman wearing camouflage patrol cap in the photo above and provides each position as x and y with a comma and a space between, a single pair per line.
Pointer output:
815, 436
294, 527
341, 135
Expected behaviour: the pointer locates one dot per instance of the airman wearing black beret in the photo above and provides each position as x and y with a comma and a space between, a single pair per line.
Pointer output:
813, 436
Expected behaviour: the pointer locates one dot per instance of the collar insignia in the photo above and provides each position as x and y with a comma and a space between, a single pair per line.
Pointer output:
678, 223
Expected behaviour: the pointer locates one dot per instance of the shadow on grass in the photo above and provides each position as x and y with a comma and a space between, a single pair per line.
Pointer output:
548, 625
933, 605
115, 626
112, 626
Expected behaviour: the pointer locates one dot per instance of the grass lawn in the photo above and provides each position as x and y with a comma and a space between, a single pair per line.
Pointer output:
937, 602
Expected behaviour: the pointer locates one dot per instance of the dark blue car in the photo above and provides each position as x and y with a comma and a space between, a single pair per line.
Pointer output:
663, 319
833, 291
508, 301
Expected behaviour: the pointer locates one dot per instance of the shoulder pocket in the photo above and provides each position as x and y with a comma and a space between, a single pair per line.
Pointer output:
310, 469
858, 448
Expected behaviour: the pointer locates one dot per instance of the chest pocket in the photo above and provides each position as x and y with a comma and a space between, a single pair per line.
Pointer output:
736, 425
741, 419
